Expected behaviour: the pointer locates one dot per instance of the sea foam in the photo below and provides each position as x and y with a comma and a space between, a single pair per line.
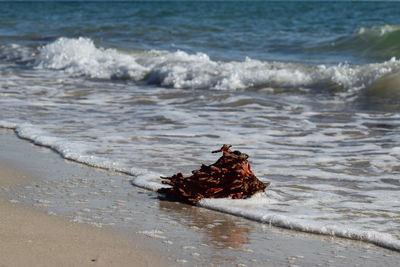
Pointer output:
253, 209
80, 57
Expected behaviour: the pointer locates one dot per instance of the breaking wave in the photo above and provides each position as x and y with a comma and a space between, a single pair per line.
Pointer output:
80, 57
378, 31
381, 41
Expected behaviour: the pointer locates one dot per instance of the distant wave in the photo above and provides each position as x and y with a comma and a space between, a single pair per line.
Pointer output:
379, 41
80, 57
379, 30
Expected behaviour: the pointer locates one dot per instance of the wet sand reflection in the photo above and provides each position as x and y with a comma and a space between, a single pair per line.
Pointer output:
217, 229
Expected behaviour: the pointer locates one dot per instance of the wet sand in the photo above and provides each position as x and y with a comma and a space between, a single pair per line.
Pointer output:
32, 238
29, 237
137, 228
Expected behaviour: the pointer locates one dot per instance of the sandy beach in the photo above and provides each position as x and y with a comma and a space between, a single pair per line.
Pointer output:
29, 237
158, 233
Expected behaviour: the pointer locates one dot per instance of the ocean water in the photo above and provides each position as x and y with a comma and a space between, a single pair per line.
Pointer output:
310, 90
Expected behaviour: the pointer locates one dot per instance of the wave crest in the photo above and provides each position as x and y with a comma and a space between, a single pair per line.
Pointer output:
372, 42
80, 57
378, 30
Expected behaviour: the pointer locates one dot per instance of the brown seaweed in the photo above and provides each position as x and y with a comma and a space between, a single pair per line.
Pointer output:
230, 176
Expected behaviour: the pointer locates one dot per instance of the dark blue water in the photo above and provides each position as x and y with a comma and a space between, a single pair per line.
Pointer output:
312, 32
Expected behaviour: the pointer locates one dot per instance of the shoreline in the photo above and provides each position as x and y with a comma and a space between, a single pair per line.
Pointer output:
188, 235
32, 237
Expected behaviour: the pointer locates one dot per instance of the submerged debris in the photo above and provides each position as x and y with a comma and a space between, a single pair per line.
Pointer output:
230, 176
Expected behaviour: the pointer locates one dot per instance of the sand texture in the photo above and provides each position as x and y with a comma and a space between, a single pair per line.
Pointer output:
31, 238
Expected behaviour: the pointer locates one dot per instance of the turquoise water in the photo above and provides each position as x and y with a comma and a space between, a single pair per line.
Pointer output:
310, 90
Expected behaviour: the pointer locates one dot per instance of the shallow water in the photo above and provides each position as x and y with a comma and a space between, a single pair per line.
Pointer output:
150, 88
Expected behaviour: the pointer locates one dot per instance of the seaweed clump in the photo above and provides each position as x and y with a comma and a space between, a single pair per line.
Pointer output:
230, 176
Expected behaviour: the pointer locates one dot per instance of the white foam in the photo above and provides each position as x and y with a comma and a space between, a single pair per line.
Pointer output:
76, 152
379, 30
146, 179
236, 207
7, 124
81, 57
68, 150
179, 69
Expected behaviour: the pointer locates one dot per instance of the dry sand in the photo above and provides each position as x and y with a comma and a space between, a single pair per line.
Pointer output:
32, 238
